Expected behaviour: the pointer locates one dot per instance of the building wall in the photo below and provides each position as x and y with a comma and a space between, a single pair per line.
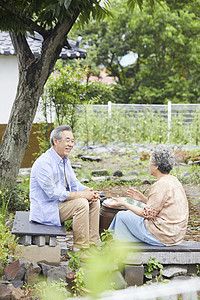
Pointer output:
8, 85
8, 89
33, 146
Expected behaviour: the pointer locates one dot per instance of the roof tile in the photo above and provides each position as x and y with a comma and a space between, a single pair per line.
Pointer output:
35, 43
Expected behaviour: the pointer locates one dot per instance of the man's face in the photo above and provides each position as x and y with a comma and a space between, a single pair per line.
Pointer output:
65, 145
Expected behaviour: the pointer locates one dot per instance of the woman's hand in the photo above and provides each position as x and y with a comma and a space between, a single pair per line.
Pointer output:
136, 195
118, 202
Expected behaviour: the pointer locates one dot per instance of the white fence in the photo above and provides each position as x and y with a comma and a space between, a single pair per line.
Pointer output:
171, 109
177, 289
168, 111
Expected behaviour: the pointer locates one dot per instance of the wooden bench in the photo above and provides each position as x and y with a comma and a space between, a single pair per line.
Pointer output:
185, 254
32, 233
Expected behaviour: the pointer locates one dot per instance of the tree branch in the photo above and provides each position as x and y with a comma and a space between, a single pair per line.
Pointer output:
24, 20
22, 49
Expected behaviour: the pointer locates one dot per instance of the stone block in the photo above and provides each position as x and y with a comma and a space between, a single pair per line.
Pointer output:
118, 173
102, 172
46, 254
10, 292
25, 240
45, 268
56, 274
38, 240
119, 281
17, 283
11, 270
91, 158
52, 241
32, 273
171, 271
192, 270
17, 269
63, 248
134, 275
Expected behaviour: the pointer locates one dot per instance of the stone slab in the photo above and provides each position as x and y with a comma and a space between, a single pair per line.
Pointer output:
185, 246
22, 226
178, 258
188, 252
46, 254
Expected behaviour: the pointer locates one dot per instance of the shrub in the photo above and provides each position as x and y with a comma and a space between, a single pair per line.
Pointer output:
15, 198
8, 245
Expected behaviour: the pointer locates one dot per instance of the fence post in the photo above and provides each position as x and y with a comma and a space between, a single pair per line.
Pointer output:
169, 119
109, 108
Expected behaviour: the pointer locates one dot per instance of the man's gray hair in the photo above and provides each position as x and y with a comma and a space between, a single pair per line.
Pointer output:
57, 133
163, 157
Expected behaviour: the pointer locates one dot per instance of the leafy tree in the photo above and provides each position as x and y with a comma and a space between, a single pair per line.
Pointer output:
53, 19
63, 92
167, 43
166, 40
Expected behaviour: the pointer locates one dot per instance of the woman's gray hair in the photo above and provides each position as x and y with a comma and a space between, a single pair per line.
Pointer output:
57, 133
163, 157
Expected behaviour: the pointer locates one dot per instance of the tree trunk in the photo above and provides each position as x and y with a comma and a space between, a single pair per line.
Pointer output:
33, 74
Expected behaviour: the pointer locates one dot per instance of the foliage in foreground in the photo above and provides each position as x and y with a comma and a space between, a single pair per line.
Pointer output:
8, 245
98, 273
50, 290
14, 197
152, 265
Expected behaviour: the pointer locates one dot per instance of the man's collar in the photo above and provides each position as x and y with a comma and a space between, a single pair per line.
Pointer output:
57, 157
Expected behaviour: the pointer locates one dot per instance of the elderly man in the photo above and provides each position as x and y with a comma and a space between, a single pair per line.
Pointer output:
56, 195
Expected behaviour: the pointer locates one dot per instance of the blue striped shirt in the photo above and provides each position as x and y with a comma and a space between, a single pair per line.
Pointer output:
47, 187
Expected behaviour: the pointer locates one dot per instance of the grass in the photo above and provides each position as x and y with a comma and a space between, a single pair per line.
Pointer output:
125, 163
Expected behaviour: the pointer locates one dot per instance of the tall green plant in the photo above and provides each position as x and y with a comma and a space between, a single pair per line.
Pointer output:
13, 198
64, 91
4, 207
8, 244
147, 126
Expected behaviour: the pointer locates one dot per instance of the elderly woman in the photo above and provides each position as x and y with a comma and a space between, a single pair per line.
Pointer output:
163, 220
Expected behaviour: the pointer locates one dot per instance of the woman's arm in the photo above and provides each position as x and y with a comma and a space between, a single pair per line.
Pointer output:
136, 195
120, 202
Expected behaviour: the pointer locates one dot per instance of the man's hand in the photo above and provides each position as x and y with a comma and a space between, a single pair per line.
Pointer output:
88, 193
91, 195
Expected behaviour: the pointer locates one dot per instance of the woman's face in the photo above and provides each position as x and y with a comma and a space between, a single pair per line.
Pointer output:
152, 169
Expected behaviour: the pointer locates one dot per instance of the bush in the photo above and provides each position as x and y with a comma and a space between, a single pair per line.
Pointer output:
15, 198
8, 245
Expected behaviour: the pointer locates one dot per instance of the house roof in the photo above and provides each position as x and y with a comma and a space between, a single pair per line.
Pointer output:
35, 43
